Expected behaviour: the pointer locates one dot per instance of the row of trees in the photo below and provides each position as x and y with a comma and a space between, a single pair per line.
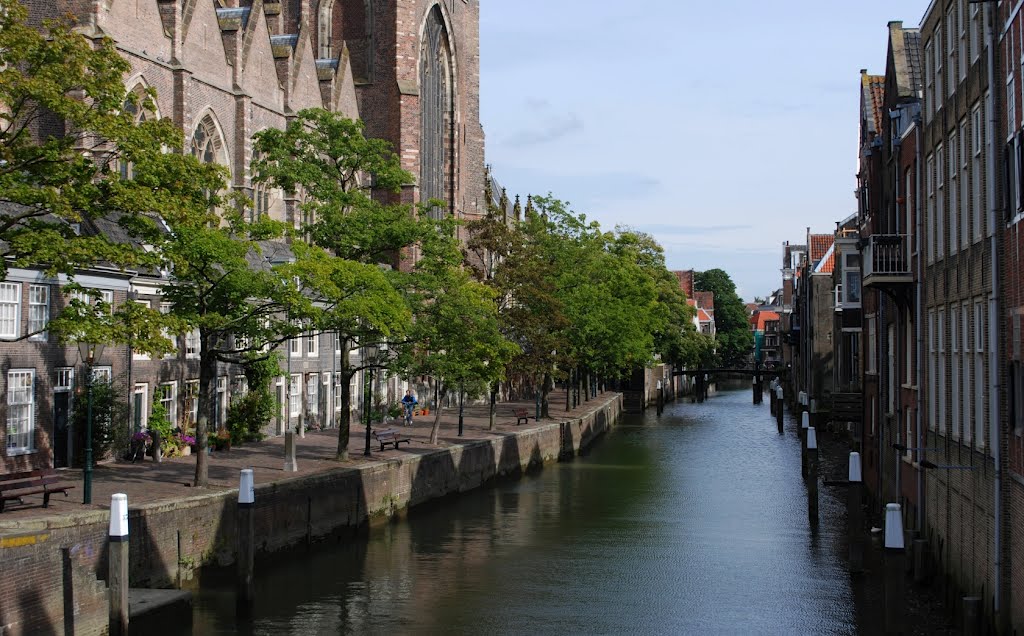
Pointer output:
557, 299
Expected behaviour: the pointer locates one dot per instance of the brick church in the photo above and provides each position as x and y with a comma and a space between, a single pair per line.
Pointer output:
223, 70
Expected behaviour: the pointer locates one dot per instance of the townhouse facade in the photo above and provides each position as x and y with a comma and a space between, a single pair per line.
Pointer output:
223, 71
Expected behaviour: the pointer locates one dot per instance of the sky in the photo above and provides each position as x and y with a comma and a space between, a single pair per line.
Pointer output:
721, 128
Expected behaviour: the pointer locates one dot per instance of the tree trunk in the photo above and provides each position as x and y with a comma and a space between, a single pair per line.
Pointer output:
493, 412
547, 384
345, 387
207, 395
568, 392
436, 429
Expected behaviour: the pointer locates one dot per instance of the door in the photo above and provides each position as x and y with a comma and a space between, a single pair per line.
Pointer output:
61, 429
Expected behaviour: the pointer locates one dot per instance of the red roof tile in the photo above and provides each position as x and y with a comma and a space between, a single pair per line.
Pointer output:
762, 317
705, 299
685, 281
819, 245
703, 316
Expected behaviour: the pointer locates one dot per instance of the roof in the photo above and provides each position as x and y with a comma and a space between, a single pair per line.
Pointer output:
705, 300
905, 59
759, 319
872, 95
703, 316
819, 245
828, 262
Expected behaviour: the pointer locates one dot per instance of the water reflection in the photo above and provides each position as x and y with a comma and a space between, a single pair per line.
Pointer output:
694, 522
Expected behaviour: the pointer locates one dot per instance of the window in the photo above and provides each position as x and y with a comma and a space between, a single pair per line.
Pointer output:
954, 339
929, 80
891, 369
65, 379
222, 401
951, 40
940, 204
295, 346
930, 225
976, 175
851, 279
938, 68
1011, 105
312, 395
961, 53
913, 241
192, 347
140, 413
168, 396
965, 199
10, 309
312, 345
337, 391
138, 355
990, 192
932, 372
1017, 403
165, 308
954, 201
872, 345
965, 352
21, 417
942, 371
102, 375
38, 311
908, 349
979, 375
975, 33
191, 401
295, 395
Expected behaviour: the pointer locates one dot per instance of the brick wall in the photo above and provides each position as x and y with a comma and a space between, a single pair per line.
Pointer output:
60, 559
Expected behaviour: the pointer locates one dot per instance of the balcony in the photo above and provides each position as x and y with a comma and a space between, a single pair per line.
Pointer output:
887, 260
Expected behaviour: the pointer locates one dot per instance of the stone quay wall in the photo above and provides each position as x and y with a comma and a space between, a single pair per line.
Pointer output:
55, 568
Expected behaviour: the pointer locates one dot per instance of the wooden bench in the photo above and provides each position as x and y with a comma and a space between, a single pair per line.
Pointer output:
390, 436
522, 416
18, 485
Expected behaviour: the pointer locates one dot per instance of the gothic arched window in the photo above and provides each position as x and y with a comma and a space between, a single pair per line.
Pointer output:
139, 106
437, 115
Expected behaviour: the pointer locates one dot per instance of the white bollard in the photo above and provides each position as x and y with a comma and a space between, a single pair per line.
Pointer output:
118, 563
805, 421
854, 474
812, 438
246, 537
893, 527
895, 571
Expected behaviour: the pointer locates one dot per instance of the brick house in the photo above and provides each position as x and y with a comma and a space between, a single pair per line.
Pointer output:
959, 313
223, 71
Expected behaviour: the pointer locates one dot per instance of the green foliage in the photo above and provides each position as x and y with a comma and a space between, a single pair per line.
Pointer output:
110, 422
159, 422
734, 337
249, 415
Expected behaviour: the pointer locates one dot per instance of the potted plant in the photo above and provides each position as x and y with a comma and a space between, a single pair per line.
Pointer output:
220, 441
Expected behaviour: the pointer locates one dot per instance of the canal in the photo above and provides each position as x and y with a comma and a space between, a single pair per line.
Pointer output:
691, 523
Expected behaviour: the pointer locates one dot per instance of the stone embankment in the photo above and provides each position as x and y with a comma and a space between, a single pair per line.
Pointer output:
55, 566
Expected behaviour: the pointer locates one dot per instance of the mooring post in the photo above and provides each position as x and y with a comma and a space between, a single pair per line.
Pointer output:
291, 465
779, 408
805, 420
920, 551
895, 571
246, 538
812, 476
972, 615
771, 397
118, 564
814, 413
855, 515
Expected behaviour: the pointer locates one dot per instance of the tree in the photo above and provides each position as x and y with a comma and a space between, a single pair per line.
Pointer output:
733, 335
456, 338
326, 157
67, 128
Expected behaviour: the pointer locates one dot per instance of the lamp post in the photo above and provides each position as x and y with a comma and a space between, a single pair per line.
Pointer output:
90, 352
369, 353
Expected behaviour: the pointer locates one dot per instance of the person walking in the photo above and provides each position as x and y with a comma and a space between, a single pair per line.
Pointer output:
409, 402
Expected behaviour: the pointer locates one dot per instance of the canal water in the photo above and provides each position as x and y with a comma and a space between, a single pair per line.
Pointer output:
691, 523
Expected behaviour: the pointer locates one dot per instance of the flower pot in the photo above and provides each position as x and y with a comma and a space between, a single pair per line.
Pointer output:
186, 451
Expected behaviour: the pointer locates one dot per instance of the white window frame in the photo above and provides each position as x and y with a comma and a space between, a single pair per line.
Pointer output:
939, 55
940, 204
168, 392
942, 370
954, 201
191, 402
192, 345
295, 347
933, 374
21, 411
954, 339
977, 125
975, 33
965, 399
38, 311
295, 395
872, 327
142, 389
10, 310
979, 374
951, 41
337, 392
965, 198
312, 345
313, 394
103, 374
961, 53
930, 222
929, 81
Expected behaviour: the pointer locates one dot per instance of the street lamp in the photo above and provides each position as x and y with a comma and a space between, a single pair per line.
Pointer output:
90, 353
369, 353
